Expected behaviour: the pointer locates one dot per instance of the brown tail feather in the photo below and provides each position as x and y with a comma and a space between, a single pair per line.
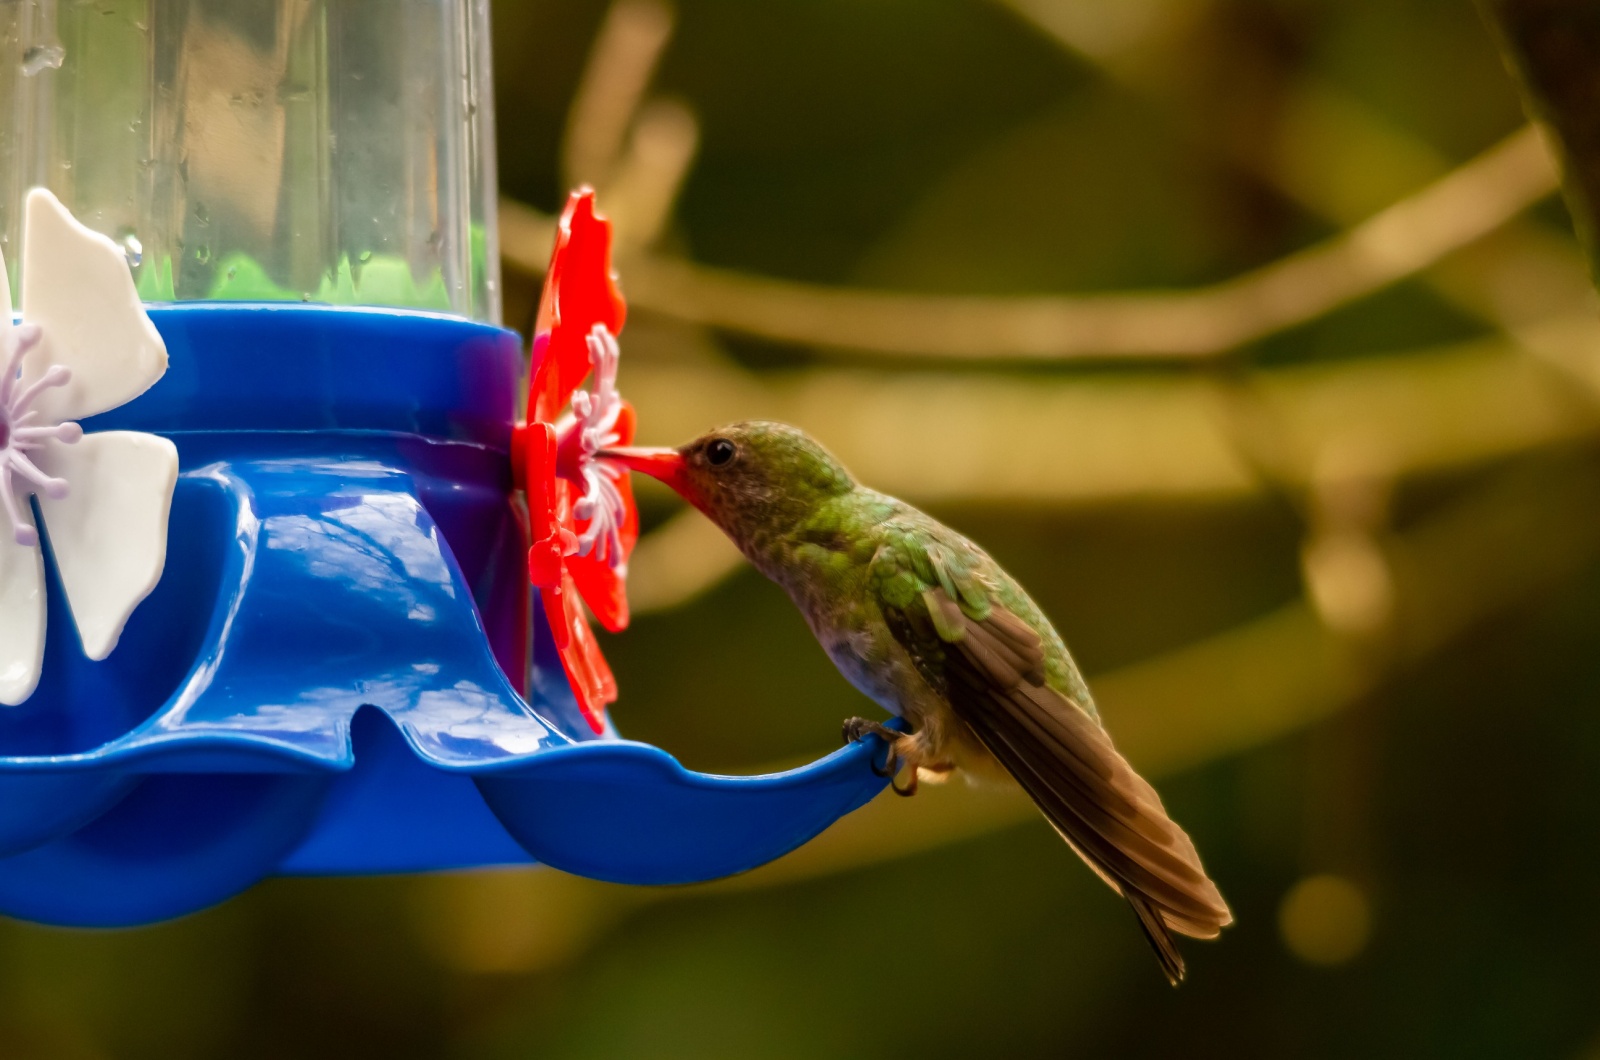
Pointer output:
1119, 827
1102, 808
993, 678
1161, 939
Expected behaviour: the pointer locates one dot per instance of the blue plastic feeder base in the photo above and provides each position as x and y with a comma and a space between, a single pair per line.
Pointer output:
319, 685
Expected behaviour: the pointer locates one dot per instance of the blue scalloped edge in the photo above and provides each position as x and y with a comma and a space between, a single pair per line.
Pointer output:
575, 807
632, 813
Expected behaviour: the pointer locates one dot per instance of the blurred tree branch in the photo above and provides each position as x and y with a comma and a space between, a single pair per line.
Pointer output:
1325, 151
1103, 440
1408, 236
1553, 48
615, 79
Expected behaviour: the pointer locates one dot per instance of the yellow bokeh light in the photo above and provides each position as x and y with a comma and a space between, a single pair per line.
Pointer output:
1325, 920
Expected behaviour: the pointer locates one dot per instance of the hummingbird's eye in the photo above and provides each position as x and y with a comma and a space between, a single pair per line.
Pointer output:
720, 451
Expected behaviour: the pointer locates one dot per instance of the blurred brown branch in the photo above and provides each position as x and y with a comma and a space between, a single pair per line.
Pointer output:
1552, 47
635, 149
621, 63
1104, 440
1408, 236
1323, 149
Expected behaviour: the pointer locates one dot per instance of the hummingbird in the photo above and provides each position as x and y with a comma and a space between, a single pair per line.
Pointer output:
923, 622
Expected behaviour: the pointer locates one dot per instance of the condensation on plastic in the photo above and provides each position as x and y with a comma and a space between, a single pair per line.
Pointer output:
298, 150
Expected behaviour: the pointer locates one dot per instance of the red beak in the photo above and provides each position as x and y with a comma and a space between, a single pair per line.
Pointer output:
664, 464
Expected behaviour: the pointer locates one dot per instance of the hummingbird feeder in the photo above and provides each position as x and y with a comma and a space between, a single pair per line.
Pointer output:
271, 529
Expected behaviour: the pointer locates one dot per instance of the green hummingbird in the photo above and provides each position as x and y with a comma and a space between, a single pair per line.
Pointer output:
926, 624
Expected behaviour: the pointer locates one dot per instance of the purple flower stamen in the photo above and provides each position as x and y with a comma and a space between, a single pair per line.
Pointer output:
19, 435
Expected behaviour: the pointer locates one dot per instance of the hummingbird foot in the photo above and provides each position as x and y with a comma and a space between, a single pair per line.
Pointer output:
904, 755
856, 729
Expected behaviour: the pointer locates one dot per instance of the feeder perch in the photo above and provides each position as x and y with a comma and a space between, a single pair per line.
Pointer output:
265, 582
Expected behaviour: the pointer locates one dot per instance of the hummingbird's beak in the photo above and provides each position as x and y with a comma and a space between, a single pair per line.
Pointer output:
664, 464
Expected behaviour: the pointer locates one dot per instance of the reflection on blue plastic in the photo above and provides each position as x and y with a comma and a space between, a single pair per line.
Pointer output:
319, 683
629, 813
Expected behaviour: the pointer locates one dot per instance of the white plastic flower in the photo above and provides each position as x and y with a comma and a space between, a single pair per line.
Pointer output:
85, 346
597, 410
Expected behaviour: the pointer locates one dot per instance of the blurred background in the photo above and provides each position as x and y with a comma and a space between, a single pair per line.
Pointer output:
1251, 335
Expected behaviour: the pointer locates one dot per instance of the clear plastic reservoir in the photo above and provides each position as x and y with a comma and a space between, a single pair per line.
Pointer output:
285, 150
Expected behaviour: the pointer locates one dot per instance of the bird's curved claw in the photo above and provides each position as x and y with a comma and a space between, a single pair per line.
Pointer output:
856, 728
909, 790
891, 765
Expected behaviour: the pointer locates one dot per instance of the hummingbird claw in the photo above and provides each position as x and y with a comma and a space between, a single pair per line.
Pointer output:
909, 790
891, 764
856, 728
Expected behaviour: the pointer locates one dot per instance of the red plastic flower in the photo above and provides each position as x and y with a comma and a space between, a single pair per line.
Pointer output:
581, 515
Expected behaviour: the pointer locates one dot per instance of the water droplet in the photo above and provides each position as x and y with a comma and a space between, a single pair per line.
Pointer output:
42, 57
133, 250
233, 270
201, 214
364, 257
202, 253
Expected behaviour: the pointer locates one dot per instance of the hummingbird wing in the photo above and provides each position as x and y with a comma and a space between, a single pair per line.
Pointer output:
994, 668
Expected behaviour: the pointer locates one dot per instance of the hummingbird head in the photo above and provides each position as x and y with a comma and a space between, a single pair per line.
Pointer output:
748, 478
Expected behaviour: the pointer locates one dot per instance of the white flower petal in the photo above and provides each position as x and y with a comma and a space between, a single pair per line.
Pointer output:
77, 287
109, 534
21, 613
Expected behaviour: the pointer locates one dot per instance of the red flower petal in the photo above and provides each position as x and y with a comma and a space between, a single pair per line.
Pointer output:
593, 685
555, 601
533, 448
579, 292
603, 588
